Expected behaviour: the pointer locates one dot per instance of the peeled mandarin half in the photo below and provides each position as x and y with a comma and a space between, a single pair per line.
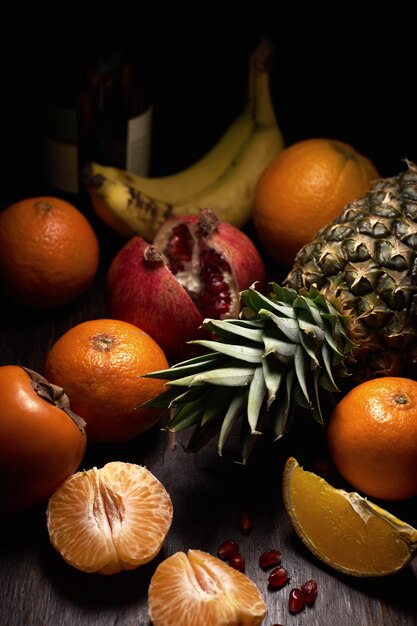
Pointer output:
346, 531
198, 589
109, 519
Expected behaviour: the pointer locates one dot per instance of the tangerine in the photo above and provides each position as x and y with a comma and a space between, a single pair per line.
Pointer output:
49, 252
101, 363
302, 189
109, 519
372, 437
197, 588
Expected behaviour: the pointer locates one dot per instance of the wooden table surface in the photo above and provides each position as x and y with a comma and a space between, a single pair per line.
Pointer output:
37, 588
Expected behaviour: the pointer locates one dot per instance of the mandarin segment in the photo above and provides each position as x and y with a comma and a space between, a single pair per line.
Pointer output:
109, 519
197, 589
347, 532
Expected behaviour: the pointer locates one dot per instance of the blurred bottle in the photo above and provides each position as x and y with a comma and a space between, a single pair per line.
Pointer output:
96, 107
114, 110
58, 132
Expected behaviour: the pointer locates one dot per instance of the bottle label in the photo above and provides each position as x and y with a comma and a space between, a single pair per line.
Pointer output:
59, 147
60, 164
139, 143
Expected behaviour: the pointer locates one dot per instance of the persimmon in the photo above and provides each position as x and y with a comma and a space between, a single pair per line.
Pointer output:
42, 441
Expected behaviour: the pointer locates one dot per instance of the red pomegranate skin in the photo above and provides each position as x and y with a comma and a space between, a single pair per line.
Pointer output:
146, 293
236, 246
149, 296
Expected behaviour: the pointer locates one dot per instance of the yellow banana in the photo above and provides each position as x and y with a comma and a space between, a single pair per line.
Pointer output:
125, 205
174, 188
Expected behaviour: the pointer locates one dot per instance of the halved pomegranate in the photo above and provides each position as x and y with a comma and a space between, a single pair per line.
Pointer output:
195, 269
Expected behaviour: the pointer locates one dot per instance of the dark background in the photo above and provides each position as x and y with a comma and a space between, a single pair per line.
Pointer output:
343, 69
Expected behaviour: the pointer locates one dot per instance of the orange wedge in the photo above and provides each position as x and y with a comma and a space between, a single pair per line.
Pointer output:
198, 589
109, 519
346, 531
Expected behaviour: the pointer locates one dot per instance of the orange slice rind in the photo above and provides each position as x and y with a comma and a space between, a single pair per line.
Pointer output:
344, 530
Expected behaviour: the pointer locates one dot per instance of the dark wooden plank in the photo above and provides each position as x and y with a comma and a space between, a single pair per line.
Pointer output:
209, 494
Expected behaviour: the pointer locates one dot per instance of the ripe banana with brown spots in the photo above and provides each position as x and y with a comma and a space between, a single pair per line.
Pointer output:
223, 180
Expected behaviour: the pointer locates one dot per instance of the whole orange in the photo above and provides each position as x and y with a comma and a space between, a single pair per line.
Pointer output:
100, 364
49, 252
372, 437
303, 188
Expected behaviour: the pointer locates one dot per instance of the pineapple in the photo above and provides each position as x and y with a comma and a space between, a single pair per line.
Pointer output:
348, 307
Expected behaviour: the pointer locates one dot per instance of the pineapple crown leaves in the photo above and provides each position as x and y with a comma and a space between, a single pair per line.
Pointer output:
281, 350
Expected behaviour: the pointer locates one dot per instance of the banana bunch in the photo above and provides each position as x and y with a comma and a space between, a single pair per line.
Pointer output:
223, 180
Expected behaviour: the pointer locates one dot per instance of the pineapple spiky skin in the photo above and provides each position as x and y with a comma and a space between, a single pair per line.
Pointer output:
365, 263
347, 307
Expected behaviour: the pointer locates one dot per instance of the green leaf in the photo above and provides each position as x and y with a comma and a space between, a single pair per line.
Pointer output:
272, 371
281, 349
248, 440
163, 401
302, 370
201, 435
288, 327
257, 302
188, 415
229, 376
317, 415
201, 358
327, 360
187, 368
287, 295
234, 411
257, 391
189, 395
213, 407
312, 330
282, 407
310, 347
186, 381
228, 330
243, 353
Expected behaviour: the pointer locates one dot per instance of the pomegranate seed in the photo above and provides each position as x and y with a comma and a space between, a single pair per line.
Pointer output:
245, 524
309, 589
296, 601
222, 306
180, 245
237, 561
213, 261
270, 558
278, 577
218, 287
227, 549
